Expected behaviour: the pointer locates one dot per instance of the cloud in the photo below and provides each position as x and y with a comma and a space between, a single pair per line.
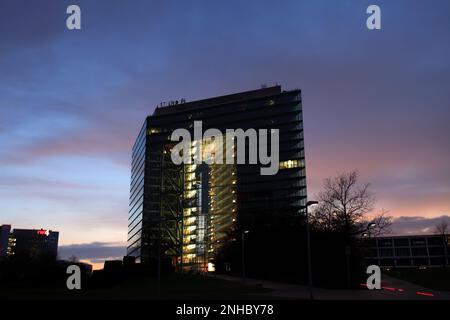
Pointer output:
27, 23
417, 225
94, 251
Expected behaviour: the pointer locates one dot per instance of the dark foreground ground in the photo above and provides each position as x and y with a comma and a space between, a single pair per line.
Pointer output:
175, 286
436, 278
397, 285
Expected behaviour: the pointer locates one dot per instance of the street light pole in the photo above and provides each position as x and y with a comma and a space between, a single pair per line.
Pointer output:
158, 269
308, 244
370, 225
243, 254
367, 235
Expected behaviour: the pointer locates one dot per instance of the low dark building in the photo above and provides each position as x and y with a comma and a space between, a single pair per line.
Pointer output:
86, 268
5, 230
31, 244
407, 251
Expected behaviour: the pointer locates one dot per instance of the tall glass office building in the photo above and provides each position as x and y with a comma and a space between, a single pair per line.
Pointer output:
192, 213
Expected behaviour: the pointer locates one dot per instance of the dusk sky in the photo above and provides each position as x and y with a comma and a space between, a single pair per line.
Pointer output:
72, 102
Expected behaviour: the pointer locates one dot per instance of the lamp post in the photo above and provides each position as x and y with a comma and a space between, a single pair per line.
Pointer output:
367, 235
369, 226
244, 232
308, 244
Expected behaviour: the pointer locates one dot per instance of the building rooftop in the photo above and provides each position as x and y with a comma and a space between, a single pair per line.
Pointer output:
230, 98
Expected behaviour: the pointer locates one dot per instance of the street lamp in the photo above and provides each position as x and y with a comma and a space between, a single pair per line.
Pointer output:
366, 235
244, 232
369, 226
308, 244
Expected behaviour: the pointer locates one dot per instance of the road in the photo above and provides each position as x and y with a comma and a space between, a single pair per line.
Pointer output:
392, 289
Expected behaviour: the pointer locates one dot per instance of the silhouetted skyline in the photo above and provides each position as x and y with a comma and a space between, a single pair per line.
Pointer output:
72, 102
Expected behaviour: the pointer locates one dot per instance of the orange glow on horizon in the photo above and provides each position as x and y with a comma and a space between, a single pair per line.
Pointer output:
95, 265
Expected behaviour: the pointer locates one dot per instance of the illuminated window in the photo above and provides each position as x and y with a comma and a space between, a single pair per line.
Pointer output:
289, 164
154, 130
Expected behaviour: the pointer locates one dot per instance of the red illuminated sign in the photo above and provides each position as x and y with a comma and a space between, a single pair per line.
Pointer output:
42, 232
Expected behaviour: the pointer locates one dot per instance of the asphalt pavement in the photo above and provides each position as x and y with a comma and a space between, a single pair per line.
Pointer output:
392, 289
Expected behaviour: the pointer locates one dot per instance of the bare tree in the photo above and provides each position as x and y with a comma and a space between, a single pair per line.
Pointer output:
73, 259
442, 230
323, 218
344, 205
379, 225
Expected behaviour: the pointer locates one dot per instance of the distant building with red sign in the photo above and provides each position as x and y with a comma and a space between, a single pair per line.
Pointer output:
5, 231
28, 244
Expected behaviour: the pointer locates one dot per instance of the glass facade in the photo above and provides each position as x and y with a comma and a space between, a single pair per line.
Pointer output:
136, 202
189, 213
